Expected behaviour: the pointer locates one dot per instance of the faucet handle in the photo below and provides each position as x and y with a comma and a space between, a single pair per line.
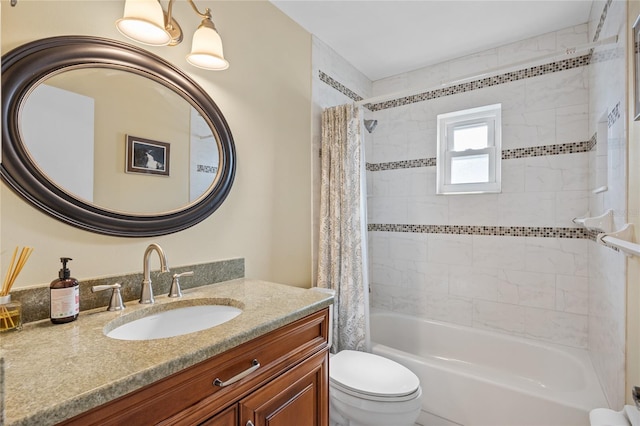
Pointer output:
175, 291
115, 303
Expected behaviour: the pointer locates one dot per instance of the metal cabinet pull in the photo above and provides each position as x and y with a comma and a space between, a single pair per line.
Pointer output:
254, 366
249, 423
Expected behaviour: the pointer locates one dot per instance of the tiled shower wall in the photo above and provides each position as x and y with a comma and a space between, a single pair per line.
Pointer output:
607, 268
512, 262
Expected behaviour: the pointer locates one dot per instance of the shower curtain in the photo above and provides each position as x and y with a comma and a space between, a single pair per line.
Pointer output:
342, 236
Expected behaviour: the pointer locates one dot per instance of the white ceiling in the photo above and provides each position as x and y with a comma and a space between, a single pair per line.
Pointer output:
387, 37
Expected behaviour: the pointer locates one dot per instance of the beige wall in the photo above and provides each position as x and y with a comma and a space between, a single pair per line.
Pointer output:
633, 216
265, 96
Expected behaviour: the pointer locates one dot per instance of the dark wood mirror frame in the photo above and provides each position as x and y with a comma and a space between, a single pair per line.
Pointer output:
31, 63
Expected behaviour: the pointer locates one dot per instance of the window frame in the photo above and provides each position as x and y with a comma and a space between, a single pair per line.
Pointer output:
446, 124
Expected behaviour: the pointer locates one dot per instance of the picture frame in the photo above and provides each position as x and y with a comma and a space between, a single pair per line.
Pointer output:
636, 68
147, 156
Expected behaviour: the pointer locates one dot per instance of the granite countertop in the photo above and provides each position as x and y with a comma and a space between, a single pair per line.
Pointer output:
54, 372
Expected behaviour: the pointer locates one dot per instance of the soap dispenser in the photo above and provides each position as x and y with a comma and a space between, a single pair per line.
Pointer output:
65, 296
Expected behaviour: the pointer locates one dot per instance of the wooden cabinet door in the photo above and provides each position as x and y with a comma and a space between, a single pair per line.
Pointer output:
298, 397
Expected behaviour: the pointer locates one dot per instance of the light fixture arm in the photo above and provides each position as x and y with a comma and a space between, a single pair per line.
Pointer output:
205, 15
174, 29
169, 13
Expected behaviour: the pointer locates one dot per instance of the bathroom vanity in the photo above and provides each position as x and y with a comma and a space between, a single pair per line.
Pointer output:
287, 379
269, 365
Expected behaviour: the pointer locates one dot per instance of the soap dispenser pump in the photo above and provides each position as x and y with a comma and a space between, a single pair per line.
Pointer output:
65, 296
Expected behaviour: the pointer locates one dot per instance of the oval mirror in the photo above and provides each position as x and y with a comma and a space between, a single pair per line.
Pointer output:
111, 138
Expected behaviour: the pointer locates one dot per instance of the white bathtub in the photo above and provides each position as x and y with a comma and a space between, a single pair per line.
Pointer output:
476, 377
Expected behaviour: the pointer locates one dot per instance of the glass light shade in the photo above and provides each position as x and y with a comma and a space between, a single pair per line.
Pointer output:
143, 21
206, 50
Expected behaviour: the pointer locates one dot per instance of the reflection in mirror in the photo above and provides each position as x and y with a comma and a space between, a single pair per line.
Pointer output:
75, 126
204, 157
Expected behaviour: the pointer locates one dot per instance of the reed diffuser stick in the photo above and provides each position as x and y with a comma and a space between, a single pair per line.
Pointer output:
6, 285
7, 314
14, 270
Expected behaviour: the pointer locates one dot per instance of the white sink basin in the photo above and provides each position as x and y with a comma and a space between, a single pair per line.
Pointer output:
174, 322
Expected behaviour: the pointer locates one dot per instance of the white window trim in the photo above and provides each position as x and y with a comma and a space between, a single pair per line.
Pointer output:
491, 115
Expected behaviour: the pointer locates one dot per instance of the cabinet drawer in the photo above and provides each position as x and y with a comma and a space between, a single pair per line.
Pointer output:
190, 396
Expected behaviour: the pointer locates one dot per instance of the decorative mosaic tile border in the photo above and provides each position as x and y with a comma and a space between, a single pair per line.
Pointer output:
408, 164
552, 67
614, 115
610, 54
507, 154
505, 231
603, 18
593, 141
325, 78
558, 149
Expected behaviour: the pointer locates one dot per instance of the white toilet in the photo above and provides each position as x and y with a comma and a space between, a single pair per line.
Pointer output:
369, 390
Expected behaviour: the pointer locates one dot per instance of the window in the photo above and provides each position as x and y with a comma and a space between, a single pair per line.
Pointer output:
469, 151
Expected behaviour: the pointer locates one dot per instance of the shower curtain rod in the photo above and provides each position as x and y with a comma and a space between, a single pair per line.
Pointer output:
566, 52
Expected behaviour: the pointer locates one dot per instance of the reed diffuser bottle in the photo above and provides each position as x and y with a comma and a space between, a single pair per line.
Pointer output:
11, 312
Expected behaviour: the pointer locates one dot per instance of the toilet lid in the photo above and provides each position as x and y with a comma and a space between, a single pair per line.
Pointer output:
372, 375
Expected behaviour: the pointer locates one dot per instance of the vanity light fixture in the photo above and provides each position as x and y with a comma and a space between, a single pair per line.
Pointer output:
145, 21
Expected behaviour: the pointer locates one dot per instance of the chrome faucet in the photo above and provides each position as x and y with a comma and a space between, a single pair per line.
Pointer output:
146, 296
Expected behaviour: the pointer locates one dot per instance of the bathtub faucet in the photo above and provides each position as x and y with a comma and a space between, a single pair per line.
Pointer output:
146, 295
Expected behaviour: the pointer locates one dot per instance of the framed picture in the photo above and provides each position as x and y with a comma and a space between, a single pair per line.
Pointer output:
636, 68
147, 156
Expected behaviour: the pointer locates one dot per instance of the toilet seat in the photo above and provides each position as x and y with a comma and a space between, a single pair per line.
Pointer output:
372, 377
375, 398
